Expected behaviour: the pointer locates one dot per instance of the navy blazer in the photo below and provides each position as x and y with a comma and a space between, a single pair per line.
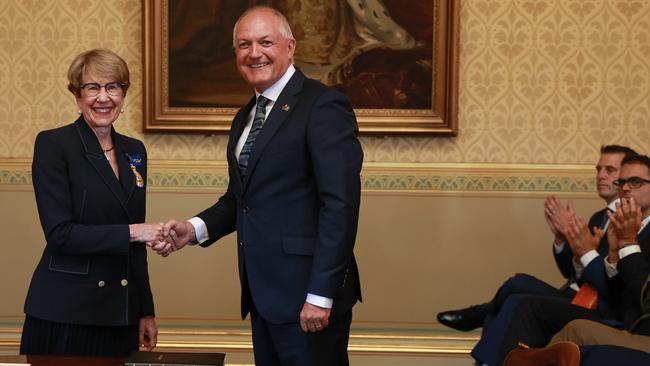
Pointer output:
89, 273
642, 324
633, 294
297, 209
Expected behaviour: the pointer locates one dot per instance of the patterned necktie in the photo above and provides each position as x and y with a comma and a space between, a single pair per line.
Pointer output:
256, 127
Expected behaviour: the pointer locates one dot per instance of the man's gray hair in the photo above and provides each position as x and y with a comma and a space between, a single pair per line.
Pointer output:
283, 28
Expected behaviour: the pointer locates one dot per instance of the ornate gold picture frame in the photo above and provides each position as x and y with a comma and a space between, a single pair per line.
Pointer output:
398, 64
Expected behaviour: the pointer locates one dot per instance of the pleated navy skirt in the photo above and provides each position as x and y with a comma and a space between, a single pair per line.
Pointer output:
43, 337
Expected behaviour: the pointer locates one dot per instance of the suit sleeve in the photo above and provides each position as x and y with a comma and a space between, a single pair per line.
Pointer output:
645, 296
220, 219
563, 261
144, 287
139, 252
634, 270
336, 157
54, 199
596, 275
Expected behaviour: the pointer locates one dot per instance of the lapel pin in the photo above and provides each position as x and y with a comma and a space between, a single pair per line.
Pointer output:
285, 108
138, 178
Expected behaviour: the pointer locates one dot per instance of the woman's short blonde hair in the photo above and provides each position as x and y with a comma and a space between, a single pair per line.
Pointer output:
100, 62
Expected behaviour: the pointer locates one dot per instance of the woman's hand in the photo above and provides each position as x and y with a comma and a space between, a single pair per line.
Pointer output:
148, 332
146, 232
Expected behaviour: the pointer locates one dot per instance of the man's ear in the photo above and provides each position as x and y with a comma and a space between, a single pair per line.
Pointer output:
291, 46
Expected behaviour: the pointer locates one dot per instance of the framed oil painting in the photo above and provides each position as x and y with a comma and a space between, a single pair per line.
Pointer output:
397, 63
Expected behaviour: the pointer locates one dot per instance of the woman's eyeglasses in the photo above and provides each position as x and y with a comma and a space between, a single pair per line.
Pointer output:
93, 89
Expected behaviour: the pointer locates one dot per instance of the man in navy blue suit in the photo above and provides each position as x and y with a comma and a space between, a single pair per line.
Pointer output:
294, 163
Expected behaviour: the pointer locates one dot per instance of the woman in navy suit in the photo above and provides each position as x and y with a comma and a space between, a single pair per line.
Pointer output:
90, 292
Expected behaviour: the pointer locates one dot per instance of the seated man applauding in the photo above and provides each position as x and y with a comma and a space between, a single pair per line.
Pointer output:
557, 215
602, 344
534, 319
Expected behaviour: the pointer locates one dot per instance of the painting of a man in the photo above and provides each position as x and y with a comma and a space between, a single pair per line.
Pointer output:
379, 53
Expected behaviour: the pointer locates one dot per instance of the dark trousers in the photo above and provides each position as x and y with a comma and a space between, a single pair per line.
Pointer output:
529, 319
288, 345
523, 284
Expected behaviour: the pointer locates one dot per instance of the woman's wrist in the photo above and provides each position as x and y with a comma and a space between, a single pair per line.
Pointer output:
133, 232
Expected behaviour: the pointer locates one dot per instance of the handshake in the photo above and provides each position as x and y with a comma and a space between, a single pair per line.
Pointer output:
163, 238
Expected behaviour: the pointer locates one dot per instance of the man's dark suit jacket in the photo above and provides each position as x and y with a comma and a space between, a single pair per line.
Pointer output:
89, 273
297, 208
634, 271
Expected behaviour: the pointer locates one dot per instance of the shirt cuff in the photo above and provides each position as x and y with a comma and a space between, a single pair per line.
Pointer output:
610, 268
558, 248
200, 230
630, 249
577, 268
588, 257
323, 302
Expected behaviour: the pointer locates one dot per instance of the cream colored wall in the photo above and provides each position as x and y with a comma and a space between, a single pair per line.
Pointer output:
541, 82
444, 220
418, 254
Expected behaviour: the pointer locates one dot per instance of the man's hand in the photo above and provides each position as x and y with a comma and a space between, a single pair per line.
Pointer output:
314, 318
177, 234
581, 240
148, 332
558, 217
624, 224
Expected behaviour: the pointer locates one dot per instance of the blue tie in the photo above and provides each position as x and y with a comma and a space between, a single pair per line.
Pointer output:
256, 127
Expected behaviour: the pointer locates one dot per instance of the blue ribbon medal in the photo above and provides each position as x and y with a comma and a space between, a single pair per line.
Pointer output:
134, 161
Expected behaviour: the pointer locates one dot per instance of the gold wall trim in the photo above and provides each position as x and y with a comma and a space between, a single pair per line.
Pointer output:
195, 176
196, 335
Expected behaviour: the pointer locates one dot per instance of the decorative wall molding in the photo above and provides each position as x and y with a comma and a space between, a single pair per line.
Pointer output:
189, 176
201, 335
477, 178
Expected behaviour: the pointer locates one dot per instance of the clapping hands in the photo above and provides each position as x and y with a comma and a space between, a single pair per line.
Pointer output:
580, 238
624, 225
569, 227
558, 217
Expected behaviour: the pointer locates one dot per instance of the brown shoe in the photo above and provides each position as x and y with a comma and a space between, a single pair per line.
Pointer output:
559, 354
